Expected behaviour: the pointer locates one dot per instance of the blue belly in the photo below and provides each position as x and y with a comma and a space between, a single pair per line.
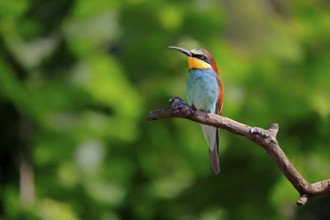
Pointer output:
202, 89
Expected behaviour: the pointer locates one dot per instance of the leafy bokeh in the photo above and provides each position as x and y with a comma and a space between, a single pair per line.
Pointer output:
77, 78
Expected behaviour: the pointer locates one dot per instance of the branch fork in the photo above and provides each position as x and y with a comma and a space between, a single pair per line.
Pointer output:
265, 138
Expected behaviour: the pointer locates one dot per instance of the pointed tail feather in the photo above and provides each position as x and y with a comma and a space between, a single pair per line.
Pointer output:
214, 157
212, 137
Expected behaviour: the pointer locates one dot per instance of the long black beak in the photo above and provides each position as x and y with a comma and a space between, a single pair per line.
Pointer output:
184, 51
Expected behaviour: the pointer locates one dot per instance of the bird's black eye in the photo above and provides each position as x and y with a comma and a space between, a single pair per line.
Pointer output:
201, 57
204, 58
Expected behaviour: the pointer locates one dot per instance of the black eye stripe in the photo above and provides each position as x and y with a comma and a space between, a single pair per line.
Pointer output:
199, 56
202, 57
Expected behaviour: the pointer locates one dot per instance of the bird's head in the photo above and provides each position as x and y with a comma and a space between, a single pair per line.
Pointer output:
198, 58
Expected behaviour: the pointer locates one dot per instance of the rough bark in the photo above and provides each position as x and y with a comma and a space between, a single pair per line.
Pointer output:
265, 138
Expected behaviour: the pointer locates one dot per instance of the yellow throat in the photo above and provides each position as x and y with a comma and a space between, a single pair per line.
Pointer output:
195, 63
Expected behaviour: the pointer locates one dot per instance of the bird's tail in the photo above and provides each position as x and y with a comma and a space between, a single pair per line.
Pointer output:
211, 135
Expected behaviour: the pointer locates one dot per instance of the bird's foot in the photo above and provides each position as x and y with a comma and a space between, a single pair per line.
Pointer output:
176, 101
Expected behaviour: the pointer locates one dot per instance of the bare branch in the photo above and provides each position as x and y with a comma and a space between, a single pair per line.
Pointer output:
265, 138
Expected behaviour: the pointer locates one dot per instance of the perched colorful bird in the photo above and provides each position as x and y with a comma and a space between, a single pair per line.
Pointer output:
205, 91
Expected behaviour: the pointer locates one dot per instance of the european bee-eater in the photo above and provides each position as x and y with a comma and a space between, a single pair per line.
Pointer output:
205, 91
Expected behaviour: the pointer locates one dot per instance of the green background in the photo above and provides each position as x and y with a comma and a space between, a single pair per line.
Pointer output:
78, 77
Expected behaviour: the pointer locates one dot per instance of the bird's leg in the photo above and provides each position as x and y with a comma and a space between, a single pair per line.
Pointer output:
207, 115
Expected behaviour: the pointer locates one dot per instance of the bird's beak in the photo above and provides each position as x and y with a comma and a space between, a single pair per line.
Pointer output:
184, 51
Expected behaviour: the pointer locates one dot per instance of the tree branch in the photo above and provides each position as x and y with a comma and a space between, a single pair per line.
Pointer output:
265, 138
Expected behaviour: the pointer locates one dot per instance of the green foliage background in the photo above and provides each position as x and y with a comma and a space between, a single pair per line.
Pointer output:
77, 78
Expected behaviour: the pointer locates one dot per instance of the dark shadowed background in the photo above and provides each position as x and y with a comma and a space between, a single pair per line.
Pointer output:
78, 77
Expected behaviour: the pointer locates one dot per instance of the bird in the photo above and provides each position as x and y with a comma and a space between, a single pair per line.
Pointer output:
205, 92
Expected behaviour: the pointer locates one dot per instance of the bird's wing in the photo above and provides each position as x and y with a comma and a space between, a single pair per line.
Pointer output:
220, 98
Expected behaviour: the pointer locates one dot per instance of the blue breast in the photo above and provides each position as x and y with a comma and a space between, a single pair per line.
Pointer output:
202, 89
